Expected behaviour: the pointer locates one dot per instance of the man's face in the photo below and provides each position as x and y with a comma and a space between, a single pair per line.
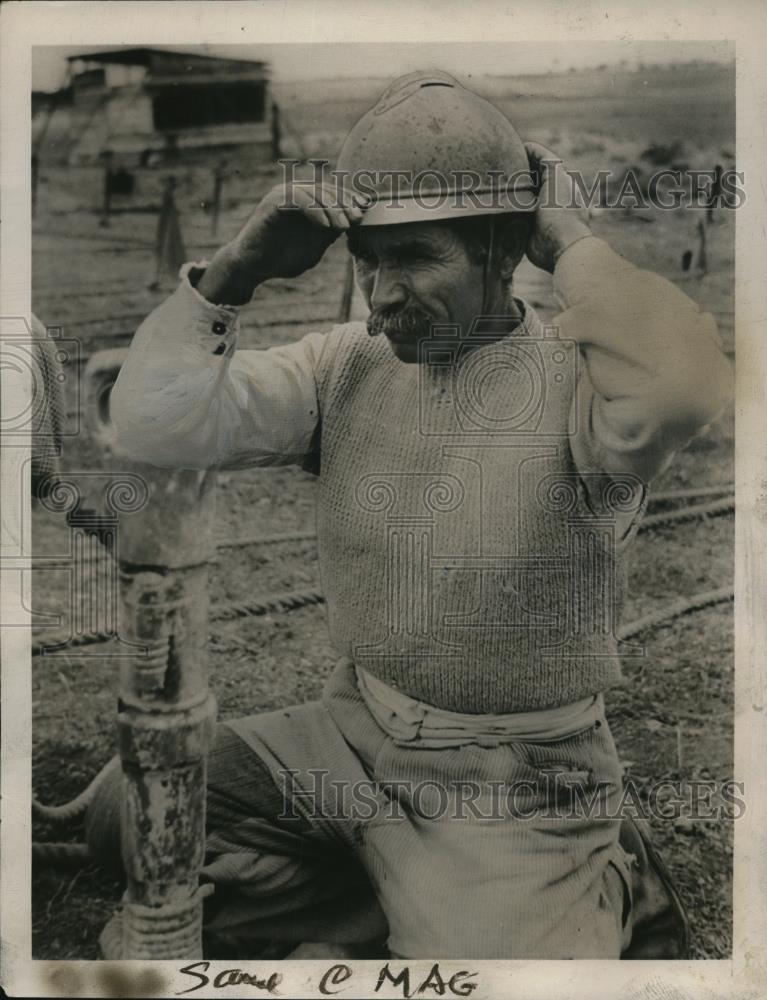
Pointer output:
415, 275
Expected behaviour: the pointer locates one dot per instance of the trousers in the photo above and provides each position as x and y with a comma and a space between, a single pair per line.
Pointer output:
323, 826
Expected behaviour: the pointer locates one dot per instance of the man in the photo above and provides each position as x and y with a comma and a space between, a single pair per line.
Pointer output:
480, 480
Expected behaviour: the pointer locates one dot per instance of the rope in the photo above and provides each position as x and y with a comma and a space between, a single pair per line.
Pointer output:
70, 811
289, 600
70, 641
299, 536
701, 491
59, 855
706, 599
717, 507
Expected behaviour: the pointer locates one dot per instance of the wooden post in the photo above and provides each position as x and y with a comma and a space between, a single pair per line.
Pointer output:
715, 195
107, 202
701, 261
170, 252
276, 129
218, 184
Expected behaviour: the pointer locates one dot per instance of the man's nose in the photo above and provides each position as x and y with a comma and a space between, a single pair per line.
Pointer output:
388, 287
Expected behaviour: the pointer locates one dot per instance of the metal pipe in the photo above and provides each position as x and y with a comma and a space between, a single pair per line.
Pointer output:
166, 715
166, 712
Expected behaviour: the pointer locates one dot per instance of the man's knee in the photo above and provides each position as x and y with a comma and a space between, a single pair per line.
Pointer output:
241, 786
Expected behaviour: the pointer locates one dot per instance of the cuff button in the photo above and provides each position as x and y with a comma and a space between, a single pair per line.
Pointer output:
220, 349
219, 328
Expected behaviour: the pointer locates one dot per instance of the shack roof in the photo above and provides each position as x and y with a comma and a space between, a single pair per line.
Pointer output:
161, 60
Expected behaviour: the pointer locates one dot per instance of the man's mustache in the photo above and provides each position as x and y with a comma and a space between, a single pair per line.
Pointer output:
399, 321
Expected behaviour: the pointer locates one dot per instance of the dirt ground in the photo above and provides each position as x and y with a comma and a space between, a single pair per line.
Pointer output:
672, 716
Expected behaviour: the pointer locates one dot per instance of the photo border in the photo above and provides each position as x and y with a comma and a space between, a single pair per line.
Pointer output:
744, 976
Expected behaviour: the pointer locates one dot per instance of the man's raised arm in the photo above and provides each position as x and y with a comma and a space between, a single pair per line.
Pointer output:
652, 372
185, 397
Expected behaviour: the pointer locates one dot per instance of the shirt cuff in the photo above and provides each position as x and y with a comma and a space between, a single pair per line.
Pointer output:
190, 275
586, 263
216, 325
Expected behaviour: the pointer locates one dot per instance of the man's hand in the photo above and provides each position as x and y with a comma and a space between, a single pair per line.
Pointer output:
556, 226
287, 234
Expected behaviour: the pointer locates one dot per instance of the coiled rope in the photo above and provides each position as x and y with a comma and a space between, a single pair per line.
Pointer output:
667, 496
56, 855
677, 609
70, 811
692, 513
287, 600
286, 536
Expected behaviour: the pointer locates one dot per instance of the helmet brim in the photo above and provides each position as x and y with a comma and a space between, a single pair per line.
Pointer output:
386, 212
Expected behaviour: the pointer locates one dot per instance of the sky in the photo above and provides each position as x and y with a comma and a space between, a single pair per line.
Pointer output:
325, 61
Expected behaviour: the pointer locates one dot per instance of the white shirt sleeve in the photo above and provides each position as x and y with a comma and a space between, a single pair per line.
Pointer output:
652, 373
186, 398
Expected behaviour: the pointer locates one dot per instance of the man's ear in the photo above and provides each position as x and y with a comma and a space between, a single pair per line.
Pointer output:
508, 265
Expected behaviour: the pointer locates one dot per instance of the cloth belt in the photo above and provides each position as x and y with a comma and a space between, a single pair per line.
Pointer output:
414, 723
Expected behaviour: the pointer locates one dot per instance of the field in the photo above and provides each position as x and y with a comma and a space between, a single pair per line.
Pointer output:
673, 715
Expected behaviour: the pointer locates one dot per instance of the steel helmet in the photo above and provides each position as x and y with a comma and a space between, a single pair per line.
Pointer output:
431, 149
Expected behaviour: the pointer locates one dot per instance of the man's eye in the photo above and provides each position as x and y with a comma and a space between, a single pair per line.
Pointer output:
413, 255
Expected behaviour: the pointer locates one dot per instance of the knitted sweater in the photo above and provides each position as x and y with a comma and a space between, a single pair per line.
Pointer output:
474, 512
